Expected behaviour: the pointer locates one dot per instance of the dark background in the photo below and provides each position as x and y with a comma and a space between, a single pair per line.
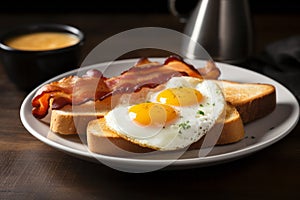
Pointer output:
30, 169
135, 6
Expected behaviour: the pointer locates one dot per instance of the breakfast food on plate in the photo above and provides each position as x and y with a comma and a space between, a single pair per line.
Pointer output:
93, 90
246, 102
172, 116
252, 100
102, 139
153, 106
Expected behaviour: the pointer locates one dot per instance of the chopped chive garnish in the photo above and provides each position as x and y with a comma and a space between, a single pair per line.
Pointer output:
200, 112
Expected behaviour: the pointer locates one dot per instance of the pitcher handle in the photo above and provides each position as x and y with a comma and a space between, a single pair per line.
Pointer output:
172, 8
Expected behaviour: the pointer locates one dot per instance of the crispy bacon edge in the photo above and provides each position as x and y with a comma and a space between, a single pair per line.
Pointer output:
69, 90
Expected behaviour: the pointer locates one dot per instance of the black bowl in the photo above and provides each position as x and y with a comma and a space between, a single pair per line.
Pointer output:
27, 68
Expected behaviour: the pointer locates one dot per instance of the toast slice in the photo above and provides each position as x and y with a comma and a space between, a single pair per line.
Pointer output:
74, 119
103, 140
252, 100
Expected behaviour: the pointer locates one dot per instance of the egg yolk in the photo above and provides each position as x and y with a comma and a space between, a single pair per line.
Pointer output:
181, 96
153, 114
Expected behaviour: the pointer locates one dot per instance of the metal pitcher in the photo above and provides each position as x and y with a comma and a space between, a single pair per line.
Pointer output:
222, 27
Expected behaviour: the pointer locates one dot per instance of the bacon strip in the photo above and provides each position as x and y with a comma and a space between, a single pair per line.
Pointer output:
94, 86
70, 90
149, 74
210, 71
177, 64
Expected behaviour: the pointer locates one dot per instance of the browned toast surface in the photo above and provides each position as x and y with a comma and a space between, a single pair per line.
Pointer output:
252, 100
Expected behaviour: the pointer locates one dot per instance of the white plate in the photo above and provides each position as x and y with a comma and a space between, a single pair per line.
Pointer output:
259, 134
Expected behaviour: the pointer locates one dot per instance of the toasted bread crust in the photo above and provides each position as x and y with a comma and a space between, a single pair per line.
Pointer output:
62, 124
233, 129
102, 140
257, 108
67, 124
73, 120
252, 100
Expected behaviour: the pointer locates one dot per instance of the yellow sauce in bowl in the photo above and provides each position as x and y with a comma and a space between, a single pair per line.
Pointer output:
42, 41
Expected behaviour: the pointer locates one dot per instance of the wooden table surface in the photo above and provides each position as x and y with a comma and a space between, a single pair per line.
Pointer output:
30, 169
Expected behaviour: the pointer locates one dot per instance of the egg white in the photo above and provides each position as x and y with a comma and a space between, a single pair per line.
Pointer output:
194, 121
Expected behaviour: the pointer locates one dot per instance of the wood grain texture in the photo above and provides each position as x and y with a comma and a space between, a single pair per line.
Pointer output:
30, 169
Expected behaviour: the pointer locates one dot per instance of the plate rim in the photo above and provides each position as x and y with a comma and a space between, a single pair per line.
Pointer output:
199, 161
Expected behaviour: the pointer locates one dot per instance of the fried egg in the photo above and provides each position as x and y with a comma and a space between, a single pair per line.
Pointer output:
174, 117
